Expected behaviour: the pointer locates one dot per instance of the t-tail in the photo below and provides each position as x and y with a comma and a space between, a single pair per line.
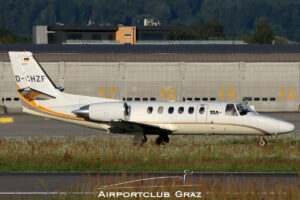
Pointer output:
32, 81
40, 96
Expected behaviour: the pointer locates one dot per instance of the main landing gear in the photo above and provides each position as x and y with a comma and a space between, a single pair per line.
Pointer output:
139, 138
262, 142
162, 139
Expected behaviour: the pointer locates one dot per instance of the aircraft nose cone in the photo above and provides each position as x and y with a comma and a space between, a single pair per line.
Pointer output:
286, 127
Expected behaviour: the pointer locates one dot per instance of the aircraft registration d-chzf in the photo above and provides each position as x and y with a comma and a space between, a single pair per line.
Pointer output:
40, 96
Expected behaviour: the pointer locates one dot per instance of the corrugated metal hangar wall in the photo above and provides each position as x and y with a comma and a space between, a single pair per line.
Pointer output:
270, 81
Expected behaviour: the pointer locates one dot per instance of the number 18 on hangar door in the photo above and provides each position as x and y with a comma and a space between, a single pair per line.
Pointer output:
40, 96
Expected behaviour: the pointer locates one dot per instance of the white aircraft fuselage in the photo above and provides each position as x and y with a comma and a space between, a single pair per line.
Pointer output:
39, 96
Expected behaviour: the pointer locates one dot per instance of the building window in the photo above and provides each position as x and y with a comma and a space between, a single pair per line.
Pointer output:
247, 99
180, 110
110, 36
171, 110
160, 110
149, 109
128, 35
96, 36
74, 36
191, 110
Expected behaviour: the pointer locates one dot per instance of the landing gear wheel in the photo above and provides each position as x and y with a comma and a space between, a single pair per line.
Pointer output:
162, 139
139, 139
144, 139
262, 142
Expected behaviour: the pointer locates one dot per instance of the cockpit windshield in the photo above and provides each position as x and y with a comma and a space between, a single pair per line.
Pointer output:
244, 109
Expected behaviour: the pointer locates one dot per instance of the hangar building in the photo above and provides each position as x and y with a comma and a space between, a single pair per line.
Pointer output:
267, 76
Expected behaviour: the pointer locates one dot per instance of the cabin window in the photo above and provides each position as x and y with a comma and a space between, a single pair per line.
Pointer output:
152, 99
149, 109
191, 110
264, 99
137, 99
180, 110
205, 99
197, 99
272, 99
2, 99
212, 98
124, 99
183, 99
256, 99
230, 110
160, 109
16, 99
202, 110
171, 110
129, 99
145, 99
8, 99
189, 99
127, 110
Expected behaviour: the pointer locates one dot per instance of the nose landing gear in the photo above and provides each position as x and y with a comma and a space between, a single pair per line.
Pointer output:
262, 142
162, 139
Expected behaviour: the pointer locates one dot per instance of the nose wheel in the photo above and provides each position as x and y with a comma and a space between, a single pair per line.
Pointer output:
262, 142
162, 139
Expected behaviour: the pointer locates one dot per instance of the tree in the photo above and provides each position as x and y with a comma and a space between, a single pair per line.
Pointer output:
264, 32
7, 37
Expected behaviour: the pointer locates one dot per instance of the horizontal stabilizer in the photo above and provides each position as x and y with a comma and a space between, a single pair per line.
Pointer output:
31, 94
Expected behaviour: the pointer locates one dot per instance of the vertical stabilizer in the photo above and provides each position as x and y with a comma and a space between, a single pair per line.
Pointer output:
29, 75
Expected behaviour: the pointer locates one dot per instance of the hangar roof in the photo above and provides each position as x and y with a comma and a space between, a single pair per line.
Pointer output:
158, 53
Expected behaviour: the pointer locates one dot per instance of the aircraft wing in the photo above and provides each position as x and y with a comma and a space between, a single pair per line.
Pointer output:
131, 126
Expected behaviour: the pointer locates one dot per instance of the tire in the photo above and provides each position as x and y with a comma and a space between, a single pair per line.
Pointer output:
262, 142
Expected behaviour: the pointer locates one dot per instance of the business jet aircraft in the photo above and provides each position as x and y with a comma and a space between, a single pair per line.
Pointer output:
40, 96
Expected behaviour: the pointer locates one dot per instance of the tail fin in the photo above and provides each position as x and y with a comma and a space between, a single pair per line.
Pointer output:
30, 76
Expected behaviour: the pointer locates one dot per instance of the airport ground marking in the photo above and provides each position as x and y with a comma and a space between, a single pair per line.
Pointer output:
6, 120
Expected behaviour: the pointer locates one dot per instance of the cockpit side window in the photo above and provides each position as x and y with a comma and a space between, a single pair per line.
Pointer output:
230, 110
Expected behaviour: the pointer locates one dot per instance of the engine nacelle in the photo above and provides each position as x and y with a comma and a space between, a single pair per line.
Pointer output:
107, 111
